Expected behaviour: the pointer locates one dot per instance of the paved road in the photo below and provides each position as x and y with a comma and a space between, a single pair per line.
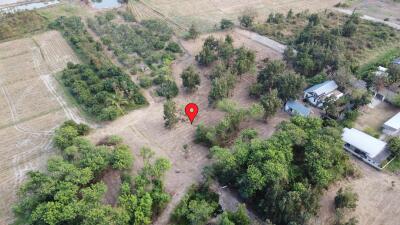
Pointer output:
370, 18
268, 42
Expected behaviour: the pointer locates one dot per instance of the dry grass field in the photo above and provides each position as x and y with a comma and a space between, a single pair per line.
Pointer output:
206, 13
374, 118
380, 9
378, 202
31, 108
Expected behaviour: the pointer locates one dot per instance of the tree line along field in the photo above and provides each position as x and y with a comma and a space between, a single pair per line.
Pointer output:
32, 107
357, 40
145, 49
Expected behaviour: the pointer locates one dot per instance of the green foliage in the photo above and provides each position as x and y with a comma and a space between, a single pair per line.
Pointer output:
394, 146
15, 25
168, 89
193, 32
147, 40
226, 24
170, 112
122, 158
209, 52
394, 73
105, 93
102, 89
222, 133
275, 75
373, 132
276, 18
71, 191
346, 199
283, 175
271, 103
231, 63
128, 17
196, 207
239, 217
145, 81
190, 78
173, 47
246, 20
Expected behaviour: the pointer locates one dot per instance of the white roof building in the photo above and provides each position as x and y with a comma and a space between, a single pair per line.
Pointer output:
363, 142
392, 126
317, 94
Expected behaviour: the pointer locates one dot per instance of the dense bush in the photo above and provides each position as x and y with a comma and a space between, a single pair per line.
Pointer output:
226, 24
71, 191
283, 176
346, 199
105, 93
198, 206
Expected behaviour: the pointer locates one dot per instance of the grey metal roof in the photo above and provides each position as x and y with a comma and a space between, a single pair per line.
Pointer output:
364, 142
323, 88
299, 108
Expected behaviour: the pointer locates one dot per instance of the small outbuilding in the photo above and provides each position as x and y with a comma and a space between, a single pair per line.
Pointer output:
392, 126
371, 150
296, 108
317, 94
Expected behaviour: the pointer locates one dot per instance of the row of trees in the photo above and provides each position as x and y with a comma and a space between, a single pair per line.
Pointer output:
71, 191
103, 90
283, 176
105, 93
149, 42
230, 63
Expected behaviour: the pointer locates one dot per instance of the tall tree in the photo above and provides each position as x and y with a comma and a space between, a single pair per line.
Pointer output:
170, 112
271, 103
191, 79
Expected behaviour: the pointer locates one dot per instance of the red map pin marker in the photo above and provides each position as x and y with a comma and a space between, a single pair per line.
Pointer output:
191, 111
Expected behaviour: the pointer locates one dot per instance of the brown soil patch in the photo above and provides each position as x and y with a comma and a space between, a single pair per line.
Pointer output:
379, 202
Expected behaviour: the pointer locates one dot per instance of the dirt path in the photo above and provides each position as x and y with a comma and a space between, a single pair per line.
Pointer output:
370, 18
263, 40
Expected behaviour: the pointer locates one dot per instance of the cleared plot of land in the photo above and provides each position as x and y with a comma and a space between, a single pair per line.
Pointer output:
379, 200
145, 127
380, 9
374, 118
241, 38
207, 13
30, 108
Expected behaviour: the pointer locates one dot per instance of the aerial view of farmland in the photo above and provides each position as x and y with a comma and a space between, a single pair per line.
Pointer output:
199, 112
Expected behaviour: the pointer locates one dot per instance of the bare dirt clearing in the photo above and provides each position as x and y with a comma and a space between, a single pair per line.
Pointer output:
207, 13
379, 201
376, 117
380, 9
31, 108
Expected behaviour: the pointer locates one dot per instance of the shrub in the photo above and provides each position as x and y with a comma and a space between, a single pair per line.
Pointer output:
145, 81
226, 24
168, 89
173, 47
346, 199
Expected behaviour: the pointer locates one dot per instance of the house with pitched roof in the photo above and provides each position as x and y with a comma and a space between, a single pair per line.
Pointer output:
317, 94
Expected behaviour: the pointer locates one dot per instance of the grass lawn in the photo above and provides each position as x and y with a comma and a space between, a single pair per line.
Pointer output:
394, 166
